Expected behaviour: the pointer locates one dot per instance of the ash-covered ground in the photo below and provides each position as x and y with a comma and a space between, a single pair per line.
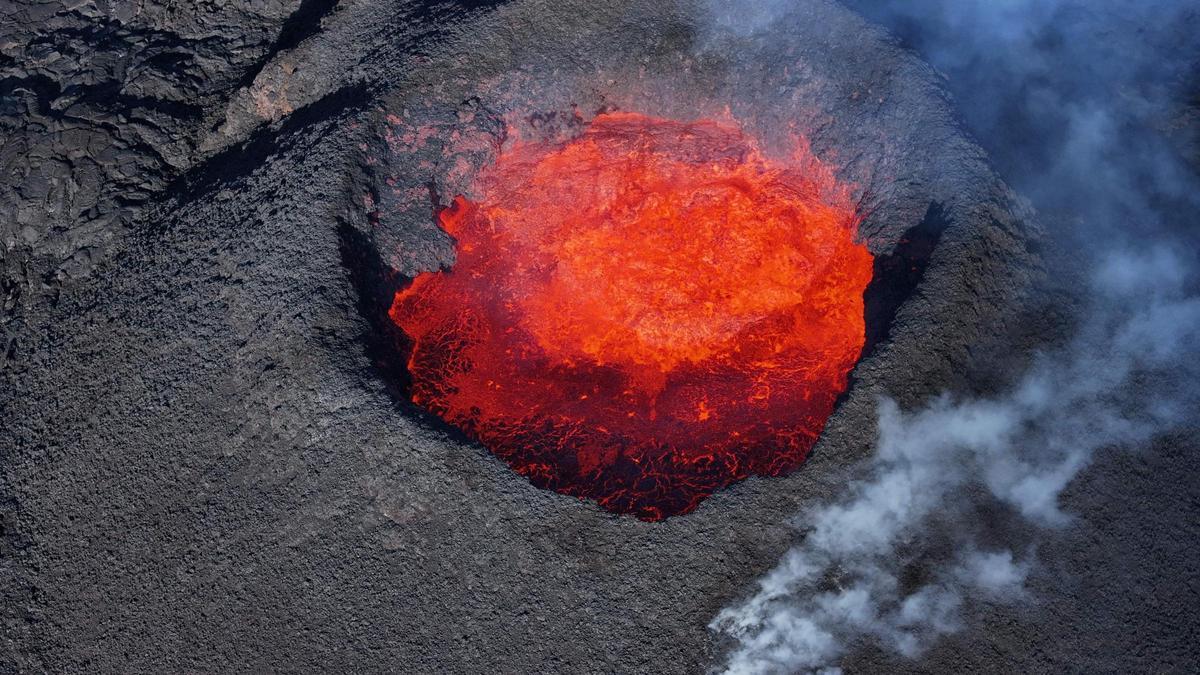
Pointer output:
205, 461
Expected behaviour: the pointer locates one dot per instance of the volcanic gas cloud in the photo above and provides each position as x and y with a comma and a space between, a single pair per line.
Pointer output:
644, 314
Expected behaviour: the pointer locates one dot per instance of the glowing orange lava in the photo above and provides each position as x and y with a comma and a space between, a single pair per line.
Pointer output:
643, 314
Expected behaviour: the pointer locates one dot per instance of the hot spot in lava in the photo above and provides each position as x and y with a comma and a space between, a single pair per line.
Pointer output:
644, 314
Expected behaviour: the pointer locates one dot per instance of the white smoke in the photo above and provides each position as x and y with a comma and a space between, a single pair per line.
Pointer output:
899, 558
845, 582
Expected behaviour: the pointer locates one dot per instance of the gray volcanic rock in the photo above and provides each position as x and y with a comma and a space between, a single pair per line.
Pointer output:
103, 102
204, 466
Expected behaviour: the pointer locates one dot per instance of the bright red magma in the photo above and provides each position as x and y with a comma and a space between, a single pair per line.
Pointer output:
644, 314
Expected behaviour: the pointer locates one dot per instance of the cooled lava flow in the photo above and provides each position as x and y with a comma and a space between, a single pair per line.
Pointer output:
644, 314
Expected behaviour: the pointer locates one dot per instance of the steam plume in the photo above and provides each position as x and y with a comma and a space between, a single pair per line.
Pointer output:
844, 582
895, 560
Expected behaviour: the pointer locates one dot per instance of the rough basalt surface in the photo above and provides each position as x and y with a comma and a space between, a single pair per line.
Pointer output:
205, 464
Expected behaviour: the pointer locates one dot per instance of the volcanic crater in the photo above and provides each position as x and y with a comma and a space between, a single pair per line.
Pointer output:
641, 310
637, 284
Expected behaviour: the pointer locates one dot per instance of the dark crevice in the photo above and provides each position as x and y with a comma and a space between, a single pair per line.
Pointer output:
105, 96
386, 346
100, 33
374, 284
233, 164
108, 96
301, 25
897, 275
44, 90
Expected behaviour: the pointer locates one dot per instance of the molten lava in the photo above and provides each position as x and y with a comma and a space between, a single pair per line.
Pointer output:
643, 314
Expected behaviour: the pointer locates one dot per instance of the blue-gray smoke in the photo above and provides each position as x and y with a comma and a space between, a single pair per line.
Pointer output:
1077, 102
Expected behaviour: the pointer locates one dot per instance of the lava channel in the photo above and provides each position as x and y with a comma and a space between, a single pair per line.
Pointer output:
644, 314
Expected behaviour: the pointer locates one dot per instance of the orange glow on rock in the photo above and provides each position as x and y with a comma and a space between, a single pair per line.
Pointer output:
644, 314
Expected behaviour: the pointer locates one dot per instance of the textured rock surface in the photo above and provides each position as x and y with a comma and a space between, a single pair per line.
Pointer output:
103, 102
203, 465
